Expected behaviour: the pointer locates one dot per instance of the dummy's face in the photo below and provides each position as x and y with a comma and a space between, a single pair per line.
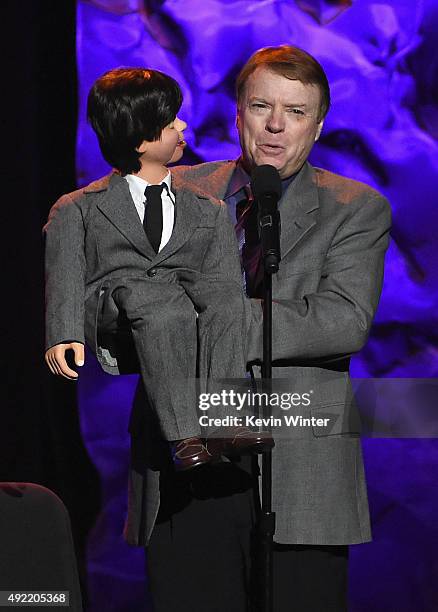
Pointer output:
277, 121
169, 148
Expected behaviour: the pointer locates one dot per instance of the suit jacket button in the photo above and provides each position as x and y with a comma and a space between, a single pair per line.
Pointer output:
152, 272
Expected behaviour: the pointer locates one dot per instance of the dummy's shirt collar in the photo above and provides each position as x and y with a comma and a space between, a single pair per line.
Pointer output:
138, 185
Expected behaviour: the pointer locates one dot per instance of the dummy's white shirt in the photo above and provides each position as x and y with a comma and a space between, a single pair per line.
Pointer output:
137, 188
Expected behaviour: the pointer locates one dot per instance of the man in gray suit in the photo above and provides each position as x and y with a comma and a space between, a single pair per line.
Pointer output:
334, 234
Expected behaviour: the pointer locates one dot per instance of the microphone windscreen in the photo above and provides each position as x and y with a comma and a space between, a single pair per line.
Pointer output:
266, 180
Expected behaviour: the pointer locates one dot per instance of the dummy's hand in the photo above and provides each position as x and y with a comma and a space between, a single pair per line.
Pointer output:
55, 359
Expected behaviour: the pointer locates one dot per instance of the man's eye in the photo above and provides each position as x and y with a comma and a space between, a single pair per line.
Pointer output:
258, 106
296, 111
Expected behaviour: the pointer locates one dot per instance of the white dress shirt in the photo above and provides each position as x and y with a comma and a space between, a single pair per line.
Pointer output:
137, 188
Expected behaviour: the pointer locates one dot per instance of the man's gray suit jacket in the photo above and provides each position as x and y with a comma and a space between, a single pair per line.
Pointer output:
334, 234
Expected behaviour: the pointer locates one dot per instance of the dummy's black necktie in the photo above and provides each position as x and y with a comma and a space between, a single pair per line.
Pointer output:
153, 215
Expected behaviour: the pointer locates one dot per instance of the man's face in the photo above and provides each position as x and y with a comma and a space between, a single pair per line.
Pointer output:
277, 121
169, 148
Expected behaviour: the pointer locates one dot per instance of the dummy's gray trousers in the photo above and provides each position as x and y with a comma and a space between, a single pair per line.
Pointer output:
187, 328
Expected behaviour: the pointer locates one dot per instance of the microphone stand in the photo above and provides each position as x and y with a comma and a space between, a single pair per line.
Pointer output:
271, 259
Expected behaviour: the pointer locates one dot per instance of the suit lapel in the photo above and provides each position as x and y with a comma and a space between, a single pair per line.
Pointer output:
187, 218
300, 199
117, 205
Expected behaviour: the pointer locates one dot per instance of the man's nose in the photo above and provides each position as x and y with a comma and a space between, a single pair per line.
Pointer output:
275, 122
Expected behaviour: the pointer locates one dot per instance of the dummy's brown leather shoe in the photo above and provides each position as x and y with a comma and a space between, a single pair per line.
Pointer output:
189, 453
239, 441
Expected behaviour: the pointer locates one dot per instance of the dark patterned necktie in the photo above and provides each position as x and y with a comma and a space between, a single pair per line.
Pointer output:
153, 215
249, 243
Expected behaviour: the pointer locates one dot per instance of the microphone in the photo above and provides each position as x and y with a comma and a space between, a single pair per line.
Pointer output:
266, 189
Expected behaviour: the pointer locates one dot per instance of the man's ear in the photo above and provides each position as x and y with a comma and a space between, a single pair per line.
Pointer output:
319, 129
142, 147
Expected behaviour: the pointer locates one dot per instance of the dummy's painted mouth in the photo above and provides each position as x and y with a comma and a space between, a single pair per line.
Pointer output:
181, 144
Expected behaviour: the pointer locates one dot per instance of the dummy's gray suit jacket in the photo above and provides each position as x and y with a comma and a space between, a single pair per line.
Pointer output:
94, 236
334, 234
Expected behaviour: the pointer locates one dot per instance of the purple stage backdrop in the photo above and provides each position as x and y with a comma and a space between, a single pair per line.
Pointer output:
382, 64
